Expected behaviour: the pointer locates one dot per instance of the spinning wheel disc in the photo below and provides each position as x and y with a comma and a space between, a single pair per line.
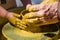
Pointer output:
13, 33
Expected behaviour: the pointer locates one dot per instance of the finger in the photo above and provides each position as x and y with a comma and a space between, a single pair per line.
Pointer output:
42, 13
52, 11
27, 7
35, 20
34, 14
55, 16
48, 13
29, 15
48, 7
54, 7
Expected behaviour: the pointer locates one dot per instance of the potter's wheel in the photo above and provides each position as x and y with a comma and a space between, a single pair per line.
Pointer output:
13, 33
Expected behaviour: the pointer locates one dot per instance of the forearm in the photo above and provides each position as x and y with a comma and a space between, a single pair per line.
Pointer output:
3, 12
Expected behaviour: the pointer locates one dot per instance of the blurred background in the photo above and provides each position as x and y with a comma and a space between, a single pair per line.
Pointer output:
15, 3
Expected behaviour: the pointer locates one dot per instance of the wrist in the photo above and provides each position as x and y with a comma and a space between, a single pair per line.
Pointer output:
9, 15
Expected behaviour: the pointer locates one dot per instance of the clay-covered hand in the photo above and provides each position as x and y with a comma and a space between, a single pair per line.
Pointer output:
43, 17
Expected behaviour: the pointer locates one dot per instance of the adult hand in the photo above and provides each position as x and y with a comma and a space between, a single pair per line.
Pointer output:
43, 17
